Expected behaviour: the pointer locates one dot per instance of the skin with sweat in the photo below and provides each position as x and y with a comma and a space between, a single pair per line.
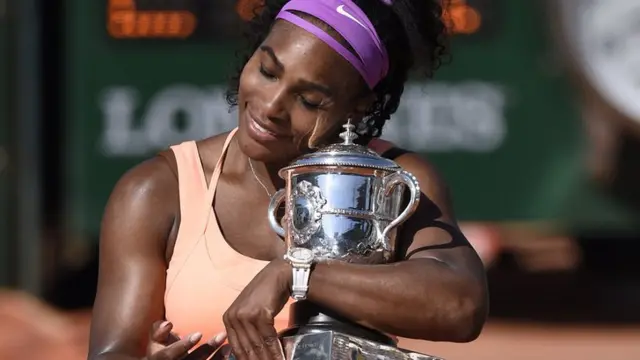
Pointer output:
294, 93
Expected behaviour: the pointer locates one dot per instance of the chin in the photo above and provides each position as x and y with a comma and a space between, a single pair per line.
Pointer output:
272, 152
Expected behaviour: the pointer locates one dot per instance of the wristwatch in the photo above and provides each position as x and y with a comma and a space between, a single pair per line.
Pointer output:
301, 260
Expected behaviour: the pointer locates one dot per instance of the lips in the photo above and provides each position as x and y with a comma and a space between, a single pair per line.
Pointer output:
261, 129
265, 127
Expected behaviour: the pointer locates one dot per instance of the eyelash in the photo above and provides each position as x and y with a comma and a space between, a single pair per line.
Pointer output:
307, 104
265, 73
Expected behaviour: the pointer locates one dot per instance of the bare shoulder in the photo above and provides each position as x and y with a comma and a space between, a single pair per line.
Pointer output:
152, 180
433, 231
432, 184
146, 199
143, 202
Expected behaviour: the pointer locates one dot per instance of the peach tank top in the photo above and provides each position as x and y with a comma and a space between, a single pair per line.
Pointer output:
205, 274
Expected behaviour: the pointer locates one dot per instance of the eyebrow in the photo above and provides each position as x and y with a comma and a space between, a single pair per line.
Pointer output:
272, 55
315, 86
308, 84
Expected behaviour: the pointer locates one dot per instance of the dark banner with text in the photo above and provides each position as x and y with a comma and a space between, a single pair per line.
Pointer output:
501, 122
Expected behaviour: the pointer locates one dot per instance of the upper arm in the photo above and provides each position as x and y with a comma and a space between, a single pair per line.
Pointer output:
135, 227
432, 231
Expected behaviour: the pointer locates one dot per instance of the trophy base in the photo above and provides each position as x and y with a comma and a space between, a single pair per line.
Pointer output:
307, 317
317, 333
333, 345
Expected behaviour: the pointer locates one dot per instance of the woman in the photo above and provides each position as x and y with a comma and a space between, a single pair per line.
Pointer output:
185, 235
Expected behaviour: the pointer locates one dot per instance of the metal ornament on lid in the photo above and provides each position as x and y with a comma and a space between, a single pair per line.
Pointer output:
348, 135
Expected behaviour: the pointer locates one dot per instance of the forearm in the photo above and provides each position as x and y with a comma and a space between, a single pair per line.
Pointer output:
419, 298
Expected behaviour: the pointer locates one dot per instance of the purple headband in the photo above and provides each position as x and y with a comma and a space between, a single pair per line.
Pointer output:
352, 24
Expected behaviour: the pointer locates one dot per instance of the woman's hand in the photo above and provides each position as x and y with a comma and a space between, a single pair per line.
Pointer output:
165, 345
250, 319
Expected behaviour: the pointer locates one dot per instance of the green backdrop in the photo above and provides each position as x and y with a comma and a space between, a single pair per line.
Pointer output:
4, 183
498, 122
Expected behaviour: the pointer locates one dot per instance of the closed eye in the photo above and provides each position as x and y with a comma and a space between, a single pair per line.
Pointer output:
266, 73
311, 105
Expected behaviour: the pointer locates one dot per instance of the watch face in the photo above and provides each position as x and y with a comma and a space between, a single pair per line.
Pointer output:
605, 38
301, 254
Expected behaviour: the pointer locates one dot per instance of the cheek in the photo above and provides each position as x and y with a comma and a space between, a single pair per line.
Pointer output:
302, 126
327, 132
248, 82
313, 129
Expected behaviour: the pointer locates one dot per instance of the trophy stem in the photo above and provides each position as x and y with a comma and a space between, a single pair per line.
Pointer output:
307, 317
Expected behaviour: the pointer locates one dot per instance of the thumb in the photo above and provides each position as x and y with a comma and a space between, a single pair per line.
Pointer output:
161, 331
161, 335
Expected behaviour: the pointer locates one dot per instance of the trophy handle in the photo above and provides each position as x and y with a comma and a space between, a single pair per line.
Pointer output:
390, 183
274, 204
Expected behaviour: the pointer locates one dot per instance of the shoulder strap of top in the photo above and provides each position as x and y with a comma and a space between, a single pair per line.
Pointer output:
195, 201
394, 153
380, 146
192, 185
386, 149
213, 184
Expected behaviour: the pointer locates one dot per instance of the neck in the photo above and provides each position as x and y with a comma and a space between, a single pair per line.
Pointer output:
267, 173
271, 169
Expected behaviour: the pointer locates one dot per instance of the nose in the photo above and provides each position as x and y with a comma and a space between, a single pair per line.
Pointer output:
275, 106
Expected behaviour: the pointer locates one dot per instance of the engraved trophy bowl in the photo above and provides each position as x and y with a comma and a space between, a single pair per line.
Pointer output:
344, 203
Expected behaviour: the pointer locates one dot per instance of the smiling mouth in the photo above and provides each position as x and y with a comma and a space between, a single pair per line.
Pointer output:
262, 129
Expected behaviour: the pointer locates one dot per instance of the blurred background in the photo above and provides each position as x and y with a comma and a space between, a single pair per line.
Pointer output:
535, 124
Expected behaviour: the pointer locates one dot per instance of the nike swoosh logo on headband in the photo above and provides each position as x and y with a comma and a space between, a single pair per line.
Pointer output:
340, 9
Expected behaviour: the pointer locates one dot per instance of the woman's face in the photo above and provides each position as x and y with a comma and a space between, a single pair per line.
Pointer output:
294, 89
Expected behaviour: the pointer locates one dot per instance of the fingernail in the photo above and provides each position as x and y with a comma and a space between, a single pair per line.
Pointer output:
195, 337
220, 337
164, 324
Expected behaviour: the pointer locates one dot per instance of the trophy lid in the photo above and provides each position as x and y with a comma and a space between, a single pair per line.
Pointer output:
346, 154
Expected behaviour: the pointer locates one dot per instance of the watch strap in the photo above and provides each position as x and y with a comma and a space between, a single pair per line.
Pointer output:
300, 283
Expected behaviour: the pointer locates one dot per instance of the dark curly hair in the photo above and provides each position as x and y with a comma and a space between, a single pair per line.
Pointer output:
413, 31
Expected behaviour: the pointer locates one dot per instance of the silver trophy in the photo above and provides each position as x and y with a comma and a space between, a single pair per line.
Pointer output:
342, 203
